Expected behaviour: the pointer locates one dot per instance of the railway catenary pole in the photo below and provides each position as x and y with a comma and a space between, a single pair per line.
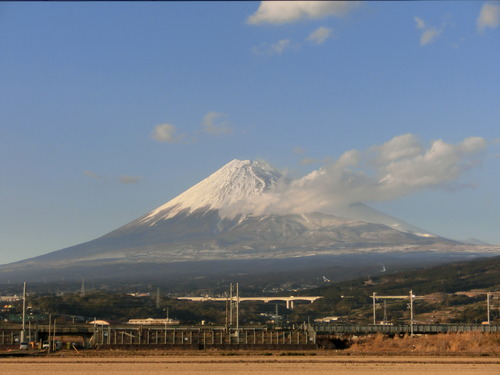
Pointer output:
411, 312
230, 305
488, 306
48, 338
237, 313
227, 312
374, 316
410, 296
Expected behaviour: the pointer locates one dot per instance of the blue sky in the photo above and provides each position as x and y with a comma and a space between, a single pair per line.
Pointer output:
108, 110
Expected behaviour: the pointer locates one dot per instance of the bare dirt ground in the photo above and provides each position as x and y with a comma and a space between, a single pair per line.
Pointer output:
254, 364
443, 354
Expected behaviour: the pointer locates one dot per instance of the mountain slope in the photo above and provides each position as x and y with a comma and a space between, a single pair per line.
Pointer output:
195, 226
203, 235
362, 212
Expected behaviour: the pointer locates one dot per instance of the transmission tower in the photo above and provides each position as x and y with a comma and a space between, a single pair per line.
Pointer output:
82, 289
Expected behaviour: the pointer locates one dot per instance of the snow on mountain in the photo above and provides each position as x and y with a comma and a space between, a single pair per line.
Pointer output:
362, 212
243, 181
475, 241
193, 227
236, 181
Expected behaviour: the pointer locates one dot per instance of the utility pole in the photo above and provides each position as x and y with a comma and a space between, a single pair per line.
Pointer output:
48, 339
23, 332
385, 313
54, 335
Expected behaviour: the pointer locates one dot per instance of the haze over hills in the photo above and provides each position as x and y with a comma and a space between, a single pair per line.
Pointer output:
243, 211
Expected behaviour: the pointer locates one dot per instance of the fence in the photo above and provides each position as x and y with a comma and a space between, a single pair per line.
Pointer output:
404, 328
107, 335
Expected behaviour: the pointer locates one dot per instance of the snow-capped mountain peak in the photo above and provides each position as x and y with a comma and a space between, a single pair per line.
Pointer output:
236, 181
195, 226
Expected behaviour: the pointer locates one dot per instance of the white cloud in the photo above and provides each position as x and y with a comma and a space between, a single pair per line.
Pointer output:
165, 133
128, 180
429, 34
280, 12
277, 48
215, 123
320, 35
299, 150
439, 166
399, 147
458, 43
122, 179
93, 175
489, 17
399, 167
308, 161
420, 23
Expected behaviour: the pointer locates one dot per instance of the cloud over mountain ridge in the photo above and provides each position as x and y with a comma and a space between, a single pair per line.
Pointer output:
397, 168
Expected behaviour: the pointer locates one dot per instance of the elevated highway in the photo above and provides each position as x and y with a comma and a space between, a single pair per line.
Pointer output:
289, 300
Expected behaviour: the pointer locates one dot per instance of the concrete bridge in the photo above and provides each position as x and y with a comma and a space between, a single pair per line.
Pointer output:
289, 300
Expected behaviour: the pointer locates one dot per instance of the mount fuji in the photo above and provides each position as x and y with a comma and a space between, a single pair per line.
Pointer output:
226, 217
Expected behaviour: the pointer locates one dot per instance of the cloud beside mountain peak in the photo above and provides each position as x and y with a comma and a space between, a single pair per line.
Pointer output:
400, 167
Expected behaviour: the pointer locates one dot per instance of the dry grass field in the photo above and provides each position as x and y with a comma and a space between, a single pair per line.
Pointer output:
195, 365
468, 343
453, 354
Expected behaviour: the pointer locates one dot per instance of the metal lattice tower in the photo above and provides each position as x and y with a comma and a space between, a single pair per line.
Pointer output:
82, 289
